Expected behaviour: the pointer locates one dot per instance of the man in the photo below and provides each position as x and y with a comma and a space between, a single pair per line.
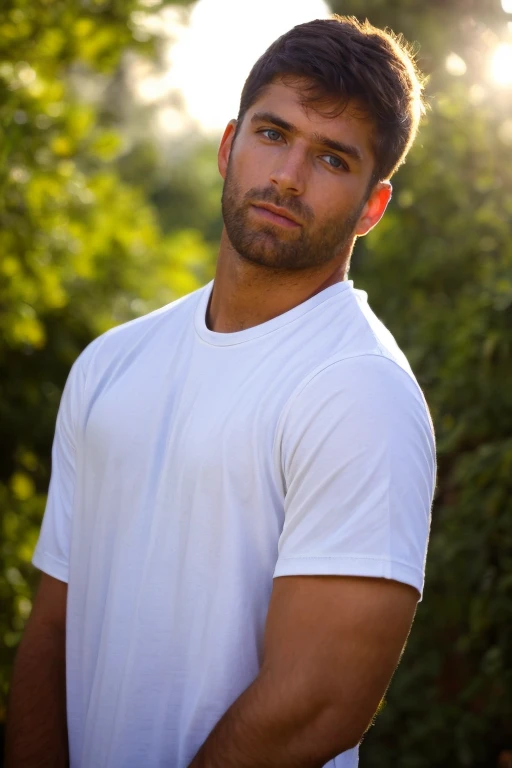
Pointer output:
235, 537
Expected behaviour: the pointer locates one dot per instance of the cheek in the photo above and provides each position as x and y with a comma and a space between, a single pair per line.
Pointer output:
326, 201
333, 214
332, 198
247, 170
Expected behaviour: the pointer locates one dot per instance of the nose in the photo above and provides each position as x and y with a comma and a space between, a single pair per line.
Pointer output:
289, 173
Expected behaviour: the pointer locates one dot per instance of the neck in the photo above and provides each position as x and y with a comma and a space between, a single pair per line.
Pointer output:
246, 294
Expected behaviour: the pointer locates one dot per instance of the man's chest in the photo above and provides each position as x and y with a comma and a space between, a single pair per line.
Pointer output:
201, 428
180, 474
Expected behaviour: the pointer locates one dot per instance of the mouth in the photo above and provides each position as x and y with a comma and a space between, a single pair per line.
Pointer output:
276, 215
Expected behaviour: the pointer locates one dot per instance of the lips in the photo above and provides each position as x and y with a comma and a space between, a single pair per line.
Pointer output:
276, 214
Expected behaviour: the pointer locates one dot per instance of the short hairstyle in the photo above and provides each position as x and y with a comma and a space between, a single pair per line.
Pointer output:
345, 60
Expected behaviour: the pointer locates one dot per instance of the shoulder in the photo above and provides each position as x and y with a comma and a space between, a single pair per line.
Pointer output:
104, 357
105, 352
369, 335
365, 372
363, 381
365, 402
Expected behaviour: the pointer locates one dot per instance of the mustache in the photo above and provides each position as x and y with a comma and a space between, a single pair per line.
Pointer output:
291, 204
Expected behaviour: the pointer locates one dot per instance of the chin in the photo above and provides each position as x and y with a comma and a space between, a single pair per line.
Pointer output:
271, 260
260, 259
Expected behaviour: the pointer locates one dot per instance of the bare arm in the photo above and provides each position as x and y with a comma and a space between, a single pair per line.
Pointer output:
331, 646
36, 733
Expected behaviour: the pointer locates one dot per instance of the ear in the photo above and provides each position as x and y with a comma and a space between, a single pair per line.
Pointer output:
225, 147
374, 208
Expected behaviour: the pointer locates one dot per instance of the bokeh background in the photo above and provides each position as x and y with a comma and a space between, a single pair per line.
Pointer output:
110, 115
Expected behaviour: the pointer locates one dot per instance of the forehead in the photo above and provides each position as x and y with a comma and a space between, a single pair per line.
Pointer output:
286, 100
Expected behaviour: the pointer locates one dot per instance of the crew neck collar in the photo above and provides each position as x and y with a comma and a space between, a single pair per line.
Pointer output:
262, 329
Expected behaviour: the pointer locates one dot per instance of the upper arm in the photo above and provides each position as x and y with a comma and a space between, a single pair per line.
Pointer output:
358, 462
49, 606
337, 640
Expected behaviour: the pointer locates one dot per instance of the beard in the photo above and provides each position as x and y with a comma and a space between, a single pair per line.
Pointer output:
270, 245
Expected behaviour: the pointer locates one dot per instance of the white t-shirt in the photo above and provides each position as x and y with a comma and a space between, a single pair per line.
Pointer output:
192, 467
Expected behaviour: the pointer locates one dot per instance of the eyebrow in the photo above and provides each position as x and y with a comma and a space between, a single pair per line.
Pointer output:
338, 146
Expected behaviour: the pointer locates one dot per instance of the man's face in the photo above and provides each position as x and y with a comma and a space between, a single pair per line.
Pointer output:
315, 169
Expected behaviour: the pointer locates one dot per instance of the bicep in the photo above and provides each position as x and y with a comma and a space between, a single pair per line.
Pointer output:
342, 636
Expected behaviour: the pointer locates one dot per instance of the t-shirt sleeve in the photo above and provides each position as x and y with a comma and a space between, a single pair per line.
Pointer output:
51, 554
358, 467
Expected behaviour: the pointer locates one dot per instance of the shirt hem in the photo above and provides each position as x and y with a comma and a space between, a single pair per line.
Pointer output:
351, 566
50, 565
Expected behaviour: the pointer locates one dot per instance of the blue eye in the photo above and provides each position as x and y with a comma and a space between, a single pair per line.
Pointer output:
275, 134
338, 163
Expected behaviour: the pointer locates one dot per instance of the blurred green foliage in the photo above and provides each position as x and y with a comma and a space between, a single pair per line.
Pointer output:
94, 232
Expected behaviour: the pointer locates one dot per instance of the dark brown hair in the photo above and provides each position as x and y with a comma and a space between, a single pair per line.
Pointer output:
344, 60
